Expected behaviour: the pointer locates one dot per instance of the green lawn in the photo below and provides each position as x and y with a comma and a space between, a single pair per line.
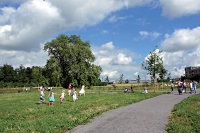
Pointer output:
20, 112
185, 116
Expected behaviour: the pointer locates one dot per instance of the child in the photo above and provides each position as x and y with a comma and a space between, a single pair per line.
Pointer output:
51, 98
145, 89
62, 96
75, 96
82, 91
41, 90
69, 89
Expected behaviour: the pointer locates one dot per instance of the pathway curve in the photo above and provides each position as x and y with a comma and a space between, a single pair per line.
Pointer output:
147, 116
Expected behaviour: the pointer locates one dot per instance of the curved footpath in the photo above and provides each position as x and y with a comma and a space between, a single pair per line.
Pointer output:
147, 116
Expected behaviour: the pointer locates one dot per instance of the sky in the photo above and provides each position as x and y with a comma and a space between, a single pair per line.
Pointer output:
121, 32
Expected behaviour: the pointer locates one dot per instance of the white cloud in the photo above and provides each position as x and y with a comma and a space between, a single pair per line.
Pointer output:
181, 40
35, 21
111, 74
144, 33
153, 35
181, 49
177, 72
115, 62
136, 74
108, 45
178, 8
115, 18
27, 59
122, 59
28, 25
7, 13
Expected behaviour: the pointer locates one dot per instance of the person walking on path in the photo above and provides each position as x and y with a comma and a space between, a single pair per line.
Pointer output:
194, 84
191, 87
172, 87
180, 89
147, 116
184, 86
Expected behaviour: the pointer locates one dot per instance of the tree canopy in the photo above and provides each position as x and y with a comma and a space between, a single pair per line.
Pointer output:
74, 59
154, 64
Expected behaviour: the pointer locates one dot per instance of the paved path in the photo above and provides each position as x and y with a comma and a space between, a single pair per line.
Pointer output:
147, 116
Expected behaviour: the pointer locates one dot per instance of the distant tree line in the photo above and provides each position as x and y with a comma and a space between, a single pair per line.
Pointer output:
70, 62
30, 77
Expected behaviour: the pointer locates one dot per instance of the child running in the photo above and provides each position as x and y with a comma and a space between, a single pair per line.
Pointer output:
51, 98
41, 90
62, 96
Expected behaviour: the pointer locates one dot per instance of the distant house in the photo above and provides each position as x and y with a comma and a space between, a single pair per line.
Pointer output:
192, 71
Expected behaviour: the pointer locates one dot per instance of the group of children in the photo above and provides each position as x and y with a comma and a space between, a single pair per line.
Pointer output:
62, 95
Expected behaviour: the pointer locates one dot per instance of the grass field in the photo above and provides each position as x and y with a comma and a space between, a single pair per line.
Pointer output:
185, 116
21, 112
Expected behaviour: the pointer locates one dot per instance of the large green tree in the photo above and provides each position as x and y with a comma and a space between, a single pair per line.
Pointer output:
74, 59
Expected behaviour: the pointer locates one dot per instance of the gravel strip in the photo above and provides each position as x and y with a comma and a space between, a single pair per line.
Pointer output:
147, 116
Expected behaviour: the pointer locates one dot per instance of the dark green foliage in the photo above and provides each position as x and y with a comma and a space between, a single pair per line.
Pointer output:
74, 60
20, 77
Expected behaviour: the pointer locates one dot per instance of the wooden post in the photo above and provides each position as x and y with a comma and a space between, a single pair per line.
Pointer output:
155, 84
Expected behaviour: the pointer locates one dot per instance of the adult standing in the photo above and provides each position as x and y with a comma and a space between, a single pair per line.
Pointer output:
184, 86
180, 87
191, 87
172, 87
194, 83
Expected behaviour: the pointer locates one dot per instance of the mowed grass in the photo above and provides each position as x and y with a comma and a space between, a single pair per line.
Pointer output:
185, 116
20, 112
